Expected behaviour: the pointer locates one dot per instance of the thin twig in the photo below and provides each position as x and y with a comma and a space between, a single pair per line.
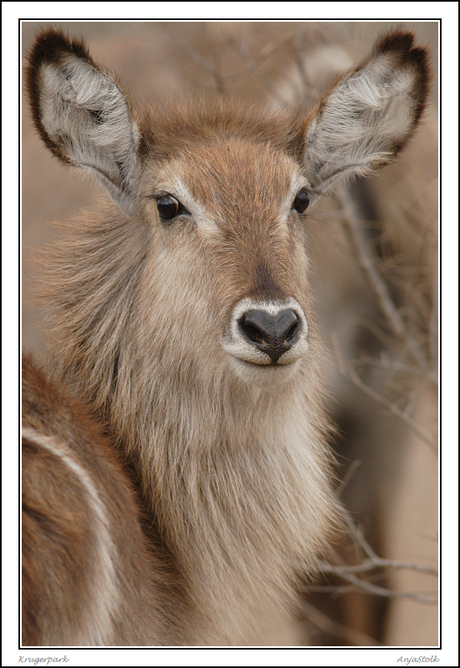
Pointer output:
351, 374
397, 366
358, 534
321, 621
372, 564
347, 477
367, 264
365, 587
308, 89
264, 81
210, 68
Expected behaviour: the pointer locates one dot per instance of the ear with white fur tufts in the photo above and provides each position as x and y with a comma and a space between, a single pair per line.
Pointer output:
82, 115
369, 115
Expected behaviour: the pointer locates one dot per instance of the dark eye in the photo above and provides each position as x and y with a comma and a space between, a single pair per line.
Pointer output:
169, 207
301, 201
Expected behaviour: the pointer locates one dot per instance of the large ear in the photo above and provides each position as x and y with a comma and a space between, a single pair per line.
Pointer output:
82, 115
369, 115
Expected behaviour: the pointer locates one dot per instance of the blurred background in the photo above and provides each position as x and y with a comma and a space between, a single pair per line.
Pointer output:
379, 586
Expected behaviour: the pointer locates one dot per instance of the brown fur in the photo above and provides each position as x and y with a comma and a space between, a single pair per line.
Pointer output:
232, 472
58, 524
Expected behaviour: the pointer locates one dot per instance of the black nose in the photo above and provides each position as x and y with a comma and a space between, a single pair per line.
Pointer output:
272, 334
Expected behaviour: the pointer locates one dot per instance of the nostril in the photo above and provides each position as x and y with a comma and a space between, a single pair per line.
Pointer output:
258, 326
286, 325
253, 333
272, 334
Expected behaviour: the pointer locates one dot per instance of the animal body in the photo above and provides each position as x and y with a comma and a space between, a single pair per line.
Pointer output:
176, 473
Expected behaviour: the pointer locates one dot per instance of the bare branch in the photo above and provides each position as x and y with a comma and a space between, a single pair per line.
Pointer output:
403, 221
263, 80
321, 621
347, 477
351, 374
365, 587
397, 366
367, 264
299, 41
358, 535
310, 92
210, 68
373, 564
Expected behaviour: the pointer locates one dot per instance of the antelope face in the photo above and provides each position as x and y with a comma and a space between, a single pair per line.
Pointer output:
222, 195
230, 217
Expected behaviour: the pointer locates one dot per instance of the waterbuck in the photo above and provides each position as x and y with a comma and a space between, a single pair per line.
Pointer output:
176, 473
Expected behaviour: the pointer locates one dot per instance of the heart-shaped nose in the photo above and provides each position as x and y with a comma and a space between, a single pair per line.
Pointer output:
272, 334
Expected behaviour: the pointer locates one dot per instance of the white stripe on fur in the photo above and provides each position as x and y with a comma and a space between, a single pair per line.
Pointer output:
106, 595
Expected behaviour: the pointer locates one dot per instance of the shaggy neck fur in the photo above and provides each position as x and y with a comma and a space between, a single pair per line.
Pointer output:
235, 475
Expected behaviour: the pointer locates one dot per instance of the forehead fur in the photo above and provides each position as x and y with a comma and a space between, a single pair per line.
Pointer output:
178, 125
234, 159
231, 175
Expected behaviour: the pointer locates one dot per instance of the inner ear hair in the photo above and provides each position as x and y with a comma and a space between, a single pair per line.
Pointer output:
82, 114
49, 48
369, 115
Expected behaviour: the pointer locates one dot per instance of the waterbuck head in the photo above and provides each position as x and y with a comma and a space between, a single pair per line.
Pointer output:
222, 194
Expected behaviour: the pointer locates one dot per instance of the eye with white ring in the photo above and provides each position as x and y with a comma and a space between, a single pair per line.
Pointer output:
301, 201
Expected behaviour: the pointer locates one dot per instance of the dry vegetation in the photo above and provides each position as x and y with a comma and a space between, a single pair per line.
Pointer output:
374, 248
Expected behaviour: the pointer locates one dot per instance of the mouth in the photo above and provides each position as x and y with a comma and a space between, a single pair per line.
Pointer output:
264, 375
268, 365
